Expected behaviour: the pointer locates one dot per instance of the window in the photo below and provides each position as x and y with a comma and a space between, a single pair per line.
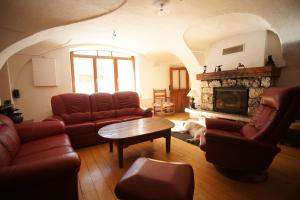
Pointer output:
102, 71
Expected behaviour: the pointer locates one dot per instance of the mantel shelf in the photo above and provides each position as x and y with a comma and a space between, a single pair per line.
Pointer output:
241, 73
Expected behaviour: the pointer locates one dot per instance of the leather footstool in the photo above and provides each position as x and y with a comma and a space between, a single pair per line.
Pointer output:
149, 179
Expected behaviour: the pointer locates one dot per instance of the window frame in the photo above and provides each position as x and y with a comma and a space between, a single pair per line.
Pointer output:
94, 58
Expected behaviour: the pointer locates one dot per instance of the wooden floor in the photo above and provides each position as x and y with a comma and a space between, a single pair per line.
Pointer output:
99, 172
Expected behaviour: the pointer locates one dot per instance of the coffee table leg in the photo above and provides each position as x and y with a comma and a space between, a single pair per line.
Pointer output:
168, 141
120, 153
111, 146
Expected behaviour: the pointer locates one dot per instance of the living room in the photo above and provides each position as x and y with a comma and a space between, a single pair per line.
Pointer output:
48, 50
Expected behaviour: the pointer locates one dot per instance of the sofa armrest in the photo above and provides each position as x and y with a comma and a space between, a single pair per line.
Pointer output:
226, 125
144, 112
39, 171
38, 130
238, 153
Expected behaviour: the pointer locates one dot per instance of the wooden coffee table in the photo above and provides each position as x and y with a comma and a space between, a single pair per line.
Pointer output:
136, 131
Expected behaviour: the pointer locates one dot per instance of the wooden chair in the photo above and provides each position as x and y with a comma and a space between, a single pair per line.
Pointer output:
161, 103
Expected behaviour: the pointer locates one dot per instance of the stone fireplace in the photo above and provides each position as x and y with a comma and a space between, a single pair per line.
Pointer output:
251, 80
231, 100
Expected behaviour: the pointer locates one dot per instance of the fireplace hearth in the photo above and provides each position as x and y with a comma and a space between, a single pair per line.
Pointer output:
231, 100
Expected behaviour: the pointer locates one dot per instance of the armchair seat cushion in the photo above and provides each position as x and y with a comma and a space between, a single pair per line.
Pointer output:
44, 144
80, 128
219, 132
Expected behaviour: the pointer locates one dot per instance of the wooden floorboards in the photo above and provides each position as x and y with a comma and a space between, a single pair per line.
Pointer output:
99, 172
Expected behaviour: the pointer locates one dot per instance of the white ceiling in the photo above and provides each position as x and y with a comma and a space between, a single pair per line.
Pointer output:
191, 25
19, 18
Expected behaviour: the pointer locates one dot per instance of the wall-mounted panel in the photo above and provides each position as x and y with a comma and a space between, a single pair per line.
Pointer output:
44, 72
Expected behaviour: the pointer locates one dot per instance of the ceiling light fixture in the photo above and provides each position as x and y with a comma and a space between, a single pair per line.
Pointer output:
162, 10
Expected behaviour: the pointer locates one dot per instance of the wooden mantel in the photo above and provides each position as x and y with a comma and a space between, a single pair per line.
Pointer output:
241, 73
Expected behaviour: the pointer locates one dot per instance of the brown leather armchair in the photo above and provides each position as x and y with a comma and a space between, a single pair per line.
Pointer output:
252, 147
37, 161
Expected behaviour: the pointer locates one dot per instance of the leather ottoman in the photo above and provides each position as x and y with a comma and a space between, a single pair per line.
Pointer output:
149, 179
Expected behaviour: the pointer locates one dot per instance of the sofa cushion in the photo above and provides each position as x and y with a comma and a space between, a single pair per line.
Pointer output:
103, 122
126, 100
125, 112
102, 106
44, 144
72, 107
80, 128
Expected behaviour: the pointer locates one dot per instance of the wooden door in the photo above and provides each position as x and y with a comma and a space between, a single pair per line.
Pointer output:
179, 87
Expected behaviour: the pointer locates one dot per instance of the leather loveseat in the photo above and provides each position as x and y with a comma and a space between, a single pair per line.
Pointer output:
85, 114
37, 161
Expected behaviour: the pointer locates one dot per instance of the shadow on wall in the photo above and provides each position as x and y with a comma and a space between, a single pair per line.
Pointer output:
290, 74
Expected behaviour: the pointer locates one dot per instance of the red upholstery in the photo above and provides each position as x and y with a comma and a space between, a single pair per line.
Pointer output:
37, 161
102, 105
150, 179
72, 108
252, 146
84, 115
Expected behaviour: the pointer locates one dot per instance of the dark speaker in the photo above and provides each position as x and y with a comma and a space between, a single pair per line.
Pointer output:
16, 93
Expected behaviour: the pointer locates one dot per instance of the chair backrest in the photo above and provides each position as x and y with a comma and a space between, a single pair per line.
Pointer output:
277, 109
102, 105
9, 141
72, 107
159, 95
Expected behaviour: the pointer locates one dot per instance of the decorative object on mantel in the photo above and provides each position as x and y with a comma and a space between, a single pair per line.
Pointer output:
270, 61
192, 94
240, 66
247, 72
204, 71
218, 68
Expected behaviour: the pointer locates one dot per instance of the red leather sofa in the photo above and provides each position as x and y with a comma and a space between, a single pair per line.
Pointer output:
37, 161
252, 146
85, 114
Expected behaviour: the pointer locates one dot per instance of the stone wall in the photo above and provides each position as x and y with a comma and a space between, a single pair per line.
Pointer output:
256, 86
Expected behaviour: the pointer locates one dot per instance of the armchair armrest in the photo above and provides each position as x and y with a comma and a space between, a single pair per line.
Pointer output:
144, 112
238, 153
37, 130
40, 170
222, 124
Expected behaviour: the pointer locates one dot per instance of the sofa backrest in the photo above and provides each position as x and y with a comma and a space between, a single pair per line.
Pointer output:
72, 107
102, 106
9, 141
275, 113
126, 102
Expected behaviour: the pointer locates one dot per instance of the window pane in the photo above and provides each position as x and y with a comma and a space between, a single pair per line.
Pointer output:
86, 52
120, 54
182, 79
104, 53
105, 73
84, 75
126, 75
175, 74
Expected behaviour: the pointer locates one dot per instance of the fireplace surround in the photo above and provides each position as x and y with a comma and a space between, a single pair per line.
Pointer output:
255, 80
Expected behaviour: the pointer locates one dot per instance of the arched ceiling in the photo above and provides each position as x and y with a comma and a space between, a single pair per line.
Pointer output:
201, 35
19, 18
139, 28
